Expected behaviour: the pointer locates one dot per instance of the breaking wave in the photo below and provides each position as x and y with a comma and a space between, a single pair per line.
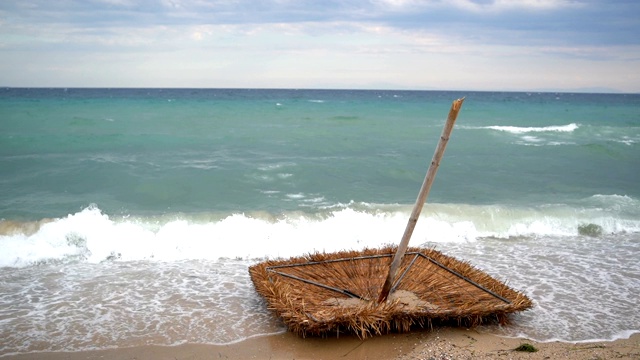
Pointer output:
93, 236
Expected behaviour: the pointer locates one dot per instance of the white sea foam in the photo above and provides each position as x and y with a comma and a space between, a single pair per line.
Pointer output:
276, 166
270, 192
123, 304
532, 139
523, 130
93, 236
627, 140
585, 286
129, 281
296, 196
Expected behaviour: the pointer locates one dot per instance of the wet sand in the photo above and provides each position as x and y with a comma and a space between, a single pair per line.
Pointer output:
444, 343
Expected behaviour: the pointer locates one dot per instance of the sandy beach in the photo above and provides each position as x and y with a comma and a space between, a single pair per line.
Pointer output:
443, 343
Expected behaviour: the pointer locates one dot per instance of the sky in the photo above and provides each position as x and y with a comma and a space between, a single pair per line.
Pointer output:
501, 45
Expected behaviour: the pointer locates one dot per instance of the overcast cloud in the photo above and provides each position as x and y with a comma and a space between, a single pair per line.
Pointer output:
398, 44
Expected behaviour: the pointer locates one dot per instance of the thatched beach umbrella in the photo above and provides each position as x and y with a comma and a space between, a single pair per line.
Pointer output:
375, 291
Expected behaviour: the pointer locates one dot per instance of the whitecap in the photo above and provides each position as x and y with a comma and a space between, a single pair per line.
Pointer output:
296, 196
520, 130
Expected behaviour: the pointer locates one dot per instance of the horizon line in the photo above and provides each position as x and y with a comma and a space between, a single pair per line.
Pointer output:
588, 90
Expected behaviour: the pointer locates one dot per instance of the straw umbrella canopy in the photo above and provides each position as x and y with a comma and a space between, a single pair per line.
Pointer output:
320, 293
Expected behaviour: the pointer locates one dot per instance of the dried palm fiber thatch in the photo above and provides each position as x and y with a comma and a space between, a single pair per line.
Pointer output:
372, 292
323, 293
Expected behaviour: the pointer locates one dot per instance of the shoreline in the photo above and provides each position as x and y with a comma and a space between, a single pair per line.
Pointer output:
440, 343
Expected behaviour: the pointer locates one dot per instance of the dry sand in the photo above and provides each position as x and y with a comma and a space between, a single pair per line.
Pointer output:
444, 343
470, 344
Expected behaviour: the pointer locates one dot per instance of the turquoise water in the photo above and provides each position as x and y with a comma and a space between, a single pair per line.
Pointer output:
161, 185
157, 151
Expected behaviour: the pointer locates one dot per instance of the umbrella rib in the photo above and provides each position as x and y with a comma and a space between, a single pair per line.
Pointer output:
397, 283
341, 291
270, 268
466, 279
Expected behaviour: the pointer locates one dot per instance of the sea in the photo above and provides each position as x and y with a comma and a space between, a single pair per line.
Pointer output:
131, 216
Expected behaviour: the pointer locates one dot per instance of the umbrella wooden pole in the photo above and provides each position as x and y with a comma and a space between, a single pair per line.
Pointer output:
422, 197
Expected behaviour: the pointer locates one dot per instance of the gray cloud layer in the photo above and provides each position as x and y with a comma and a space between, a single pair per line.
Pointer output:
612, 22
